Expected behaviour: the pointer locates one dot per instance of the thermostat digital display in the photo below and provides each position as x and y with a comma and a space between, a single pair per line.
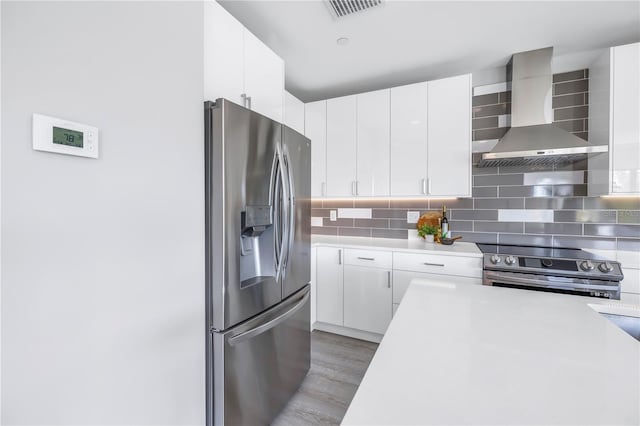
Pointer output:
67, 137
64, 137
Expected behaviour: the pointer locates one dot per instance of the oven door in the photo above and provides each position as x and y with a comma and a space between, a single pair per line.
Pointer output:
566, 285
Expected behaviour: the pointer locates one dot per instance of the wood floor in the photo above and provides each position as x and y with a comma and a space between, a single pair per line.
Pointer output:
338, 364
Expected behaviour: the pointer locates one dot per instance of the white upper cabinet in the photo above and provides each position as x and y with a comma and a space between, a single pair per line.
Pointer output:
263, 78
315, 128
626, 119
223, 54
238, 66
449, 137
372, 120
614, 120
341, 147
408, 140
293, 112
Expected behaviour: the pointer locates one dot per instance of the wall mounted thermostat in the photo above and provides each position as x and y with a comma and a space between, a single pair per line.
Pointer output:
64, 137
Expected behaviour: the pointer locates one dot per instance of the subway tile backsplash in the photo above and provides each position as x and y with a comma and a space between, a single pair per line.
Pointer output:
561, 213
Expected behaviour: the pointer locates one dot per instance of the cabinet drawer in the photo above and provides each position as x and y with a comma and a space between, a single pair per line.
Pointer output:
437, 264
371, 258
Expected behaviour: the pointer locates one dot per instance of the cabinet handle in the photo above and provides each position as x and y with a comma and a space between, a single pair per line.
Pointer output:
324, 189
366, 258
357, 187
388, 279
244, 99
424, 186
339, 256
428, 179
353, 187
433, 264
249, 101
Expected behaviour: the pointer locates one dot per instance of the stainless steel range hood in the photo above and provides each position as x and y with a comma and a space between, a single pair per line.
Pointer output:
533, 139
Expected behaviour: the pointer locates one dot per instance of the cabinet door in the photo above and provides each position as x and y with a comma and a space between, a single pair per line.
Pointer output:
315, 128
263, 77
223, 54
626, 119
329, 285
449, 130
373, 143
367, 298
408, 165
293, 113
341, 146
314, 286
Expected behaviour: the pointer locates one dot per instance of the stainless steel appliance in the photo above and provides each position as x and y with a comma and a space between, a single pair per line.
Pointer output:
558, 270
533, 138
257, 182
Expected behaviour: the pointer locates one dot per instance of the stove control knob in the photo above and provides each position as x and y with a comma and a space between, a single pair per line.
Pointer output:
495, 259
586, 265
605, 267
510, 260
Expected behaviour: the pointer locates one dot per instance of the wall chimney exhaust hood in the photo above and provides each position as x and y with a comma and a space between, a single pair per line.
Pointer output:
533, 138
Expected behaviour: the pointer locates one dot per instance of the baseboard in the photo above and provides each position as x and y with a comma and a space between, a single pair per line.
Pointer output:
346, 331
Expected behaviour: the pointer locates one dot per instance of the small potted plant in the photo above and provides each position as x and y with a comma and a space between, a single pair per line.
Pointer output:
427, 232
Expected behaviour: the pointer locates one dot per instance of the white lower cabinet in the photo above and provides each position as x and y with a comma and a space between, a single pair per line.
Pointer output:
329, 285
367, 298
359, 290
441, 268
314, 286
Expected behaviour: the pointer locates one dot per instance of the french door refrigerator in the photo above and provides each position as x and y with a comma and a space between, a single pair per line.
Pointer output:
257, 183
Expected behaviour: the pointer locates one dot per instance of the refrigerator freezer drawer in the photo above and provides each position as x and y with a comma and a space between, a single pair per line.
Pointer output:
260, 364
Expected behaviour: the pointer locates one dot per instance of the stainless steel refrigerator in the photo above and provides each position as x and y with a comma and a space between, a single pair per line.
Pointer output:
257, 183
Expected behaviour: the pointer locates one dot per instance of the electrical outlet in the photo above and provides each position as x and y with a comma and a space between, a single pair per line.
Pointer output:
333, 215
412, 217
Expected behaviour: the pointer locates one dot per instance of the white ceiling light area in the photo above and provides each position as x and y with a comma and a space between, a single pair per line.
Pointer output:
401, 42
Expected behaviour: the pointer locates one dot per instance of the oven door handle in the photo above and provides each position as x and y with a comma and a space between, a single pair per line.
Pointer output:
509, 279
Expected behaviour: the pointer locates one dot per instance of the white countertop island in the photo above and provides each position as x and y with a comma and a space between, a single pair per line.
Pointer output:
469, 354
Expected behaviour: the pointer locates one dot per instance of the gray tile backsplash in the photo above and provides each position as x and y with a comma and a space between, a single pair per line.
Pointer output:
571, 218
585, 216
553, 228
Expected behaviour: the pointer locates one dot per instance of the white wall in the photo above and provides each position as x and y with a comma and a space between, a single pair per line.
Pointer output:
103, 260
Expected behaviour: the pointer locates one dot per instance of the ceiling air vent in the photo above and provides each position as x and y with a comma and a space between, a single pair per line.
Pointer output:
342, 8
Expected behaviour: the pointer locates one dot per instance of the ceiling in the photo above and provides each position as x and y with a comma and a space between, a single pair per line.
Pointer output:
403, 42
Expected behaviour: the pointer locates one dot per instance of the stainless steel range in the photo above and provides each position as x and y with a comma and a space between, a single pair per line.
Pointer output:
558, 270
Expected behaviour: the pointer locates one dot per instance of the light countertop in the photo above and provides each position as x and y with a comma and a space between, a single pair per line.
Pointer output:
471, 354
459, 248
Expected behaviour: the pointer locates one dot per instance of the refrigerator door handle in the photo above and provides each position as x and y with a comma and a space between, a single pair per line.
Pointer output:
274, 192
291, 223
269, 324
283, 214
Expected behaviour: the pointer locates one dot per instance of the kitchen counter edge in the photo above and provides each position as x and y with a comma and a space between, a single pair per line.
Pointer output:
464, 249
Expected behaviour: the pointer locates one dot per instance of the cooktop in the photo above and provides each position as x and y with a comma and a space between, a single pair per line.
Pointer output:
535, 251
